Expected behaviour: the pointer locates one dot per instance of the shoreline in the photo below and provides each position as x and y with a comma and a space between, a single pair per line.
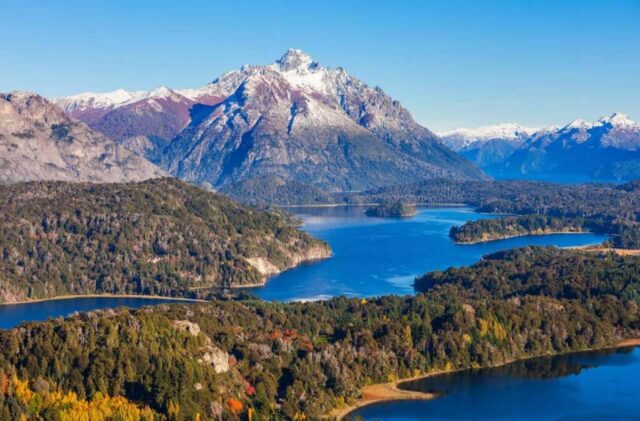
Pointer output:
74, 296
467, 243
599, 249
335, 205
388, 392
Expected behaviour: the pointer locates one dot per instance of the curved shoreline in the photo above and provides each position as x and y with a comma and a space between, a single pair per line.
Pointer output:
386, 392
74, 296
529, 234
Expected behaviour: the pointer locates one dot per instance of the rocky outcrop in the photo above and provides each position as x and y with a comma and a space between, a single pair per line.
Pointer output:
263, 266
39, 142
309, 254
292, 119
300, 121
187, 326
216, 358
212, 355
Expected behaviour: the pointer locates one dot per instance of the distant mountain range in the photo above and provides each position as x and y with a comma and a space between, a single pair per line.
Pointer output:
606, 149
488, 145
292, 119
38, 141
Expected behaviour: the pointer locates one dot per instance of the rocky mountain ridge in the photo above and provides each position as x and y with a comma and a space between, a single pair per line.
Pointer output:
38, 141
293, 119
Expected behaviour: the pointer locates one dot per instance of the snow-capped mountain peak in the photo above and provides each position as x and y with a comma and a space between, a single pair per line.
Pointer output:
619, 120
461, 138
297, 60
503, 130
86, 100
161, 92
579, 124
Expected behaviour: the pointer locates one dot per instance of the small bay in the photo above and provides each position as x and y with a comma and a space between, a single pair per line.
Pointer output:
583, 386
378, 256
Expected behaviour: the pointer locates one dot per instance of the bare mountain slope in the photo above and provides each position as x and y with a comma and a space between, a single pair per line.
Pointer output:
297, 120
39, 142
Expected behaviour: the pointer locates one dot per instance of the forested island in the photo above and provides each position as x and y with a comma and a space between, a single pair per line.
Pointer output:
258, 360
159, 237
392, 210
612, 209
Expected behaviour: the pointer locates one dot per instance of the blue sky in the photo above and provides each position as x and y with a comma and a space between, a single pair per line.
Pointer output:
452, 64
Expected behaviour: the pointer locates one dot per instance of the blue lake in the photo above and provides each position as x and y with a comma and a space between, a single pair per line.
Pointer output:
372, 256
587, 386
375, 256
14, 314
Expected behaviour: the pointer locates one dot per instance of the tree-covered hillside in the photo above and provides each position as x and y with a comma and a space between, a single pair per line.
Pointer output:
259, 361
162, 237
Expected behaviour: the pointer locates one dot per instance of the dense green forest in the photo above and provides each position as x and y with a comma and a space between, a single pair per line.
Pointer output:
493, 229
604, 208
612, 209
162, 237
259, 361
276, 191
392, 210
548, 271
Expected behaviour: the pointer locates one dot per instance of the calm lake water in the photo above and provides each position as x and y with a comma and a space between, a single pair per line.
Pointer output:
12, 315
374, 256
585, 386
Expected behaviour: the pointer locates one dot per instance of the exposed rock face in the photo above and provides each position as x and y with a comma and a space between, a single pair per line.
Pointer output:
216, 358
266, 268
607, 149
157, 115
298, 120
213, 355
187, 326
293, 119
39, 142
263, 266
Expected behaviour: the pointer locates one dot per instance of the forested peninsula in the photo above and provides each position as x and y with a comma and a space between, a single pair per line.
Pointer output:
159, 237
611, 209
257, 360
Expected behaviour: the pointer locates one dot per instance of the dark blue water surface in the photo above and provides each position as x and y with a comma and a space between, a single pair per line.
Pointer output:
13, 314
372, 256
375, 256
586, 386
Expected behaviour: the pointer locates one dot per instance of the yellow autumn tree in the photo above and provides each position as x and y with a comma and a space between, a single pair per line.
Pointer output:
68, 407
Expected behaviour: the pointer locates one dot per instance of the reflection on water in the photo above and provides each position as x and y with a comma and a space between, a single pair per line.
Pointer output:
589, 385
375, 256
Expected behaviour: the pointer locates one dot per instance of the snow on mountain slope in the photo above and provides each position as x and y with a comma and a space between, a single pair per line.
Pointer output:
461, 138
38, 141
293, 118
608, 148
300, 121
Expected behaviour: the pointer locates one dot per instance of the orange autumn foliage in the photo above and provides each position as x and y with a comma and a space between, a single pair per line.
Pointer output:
235, 406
